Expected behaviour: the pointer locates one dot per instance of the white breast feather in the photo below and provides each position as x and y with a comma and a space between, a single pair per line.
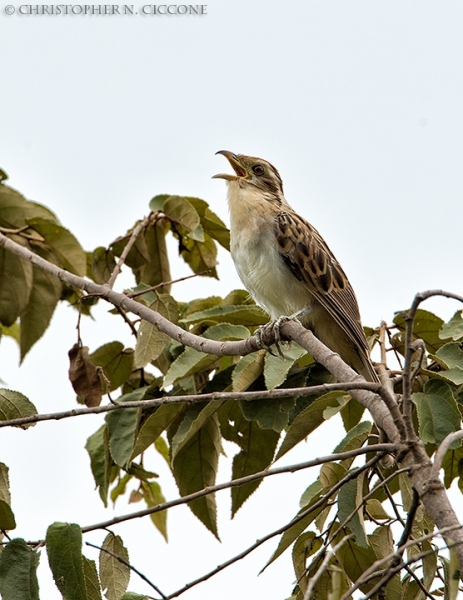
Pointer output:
256, 257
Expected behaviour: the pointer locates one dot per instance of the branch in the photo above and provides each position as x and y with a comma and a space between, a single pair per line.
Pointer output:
127, 564
371, 573
441, 451
433, 496
381, 448
133, 238
351, 475
190, 399
239, 348
323, 567
165, 283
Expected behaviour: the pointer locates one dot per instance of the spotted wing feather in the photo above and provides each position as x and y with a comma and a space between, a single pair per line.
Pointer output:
310, 260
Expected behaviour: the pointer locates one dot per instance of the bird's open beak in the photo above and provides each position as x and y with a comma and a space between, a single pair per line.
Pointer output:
235, 163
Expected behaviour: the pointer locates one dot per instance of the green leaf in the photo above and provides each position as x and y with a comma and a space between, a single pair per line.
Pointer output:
16, 279
454, 328
18, 571
195, 468
257, 450
351, 414
150, 341
451, 355
453, 467
382, 542
97, 447
63, 244
36, 315
306, 545
248, 369
276, 368
116, 363
308, 420
122, 427
427, 327
429, 565
114, 574
92, 583
349, 497
354, 439
4, 484
247, 315
191, 361
7, 520
154, 425
179, 210
13, 405
193, 420
103, 264
438, 413
272, 413
210, 222
153, 496
64, 549
13, 331
200, 256
355, 559
134, 596
153, 265
15, 209
451, 575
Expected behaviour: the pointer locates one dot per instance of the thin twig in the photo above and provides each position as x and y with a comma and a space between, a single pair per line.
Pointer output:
133, 238
388, 492
20, 231
127, 564
190, 399
442, 450
382, 342
322, 568
165, 283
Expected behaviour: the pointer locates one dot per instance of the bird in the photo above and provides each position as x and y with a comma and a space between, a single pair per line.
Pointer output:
286, 265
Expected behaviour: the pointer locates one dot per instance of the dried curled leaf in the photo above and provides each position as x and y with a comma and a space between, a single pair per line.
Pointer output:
84, 376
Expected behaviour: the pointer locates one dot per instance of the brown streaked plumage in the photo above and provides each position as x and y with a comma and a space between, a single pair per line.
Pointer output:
285, 263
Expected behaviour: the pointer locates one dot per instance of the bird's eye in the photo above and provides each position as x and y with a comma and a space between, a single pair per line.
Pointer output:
258, 170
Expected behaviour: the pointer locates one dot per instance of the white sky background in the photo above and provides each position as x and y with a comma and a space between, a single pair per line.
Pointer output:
358, 104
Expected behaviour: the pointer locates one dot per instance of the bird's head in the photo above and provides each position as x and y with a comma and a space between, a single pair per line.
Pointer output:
252, 173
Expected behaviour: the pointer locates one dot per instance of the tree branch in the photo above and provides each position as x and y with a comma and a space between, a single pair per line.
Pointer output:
442, 450
190, 399
133, 238
127, 564
322, 568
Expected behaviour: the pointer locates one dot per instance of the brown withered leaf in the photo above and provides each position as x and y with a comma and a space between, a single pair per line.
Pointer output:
84, 376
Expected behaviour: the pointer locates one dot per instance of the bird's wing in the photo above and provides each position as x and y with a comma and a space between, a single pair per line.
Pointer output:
310, 260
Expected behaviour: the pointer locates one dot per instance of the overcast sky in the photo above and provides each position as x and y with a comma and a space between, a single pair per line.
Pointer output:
359, 106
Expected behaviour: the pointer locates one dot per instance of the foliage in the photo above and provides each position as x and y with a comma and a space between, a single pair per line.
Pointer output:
351, 507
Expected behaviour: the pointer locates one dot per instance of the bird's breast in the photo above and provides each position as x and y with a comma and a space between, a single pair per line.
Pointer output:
260, 266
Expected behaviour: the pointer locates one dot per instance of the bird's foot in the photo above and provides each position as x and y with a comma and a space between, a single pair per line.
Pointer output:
272, 330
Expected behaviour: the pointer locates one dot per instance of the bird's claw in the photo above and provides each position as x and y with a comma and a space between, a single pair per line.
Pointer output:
274, 328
